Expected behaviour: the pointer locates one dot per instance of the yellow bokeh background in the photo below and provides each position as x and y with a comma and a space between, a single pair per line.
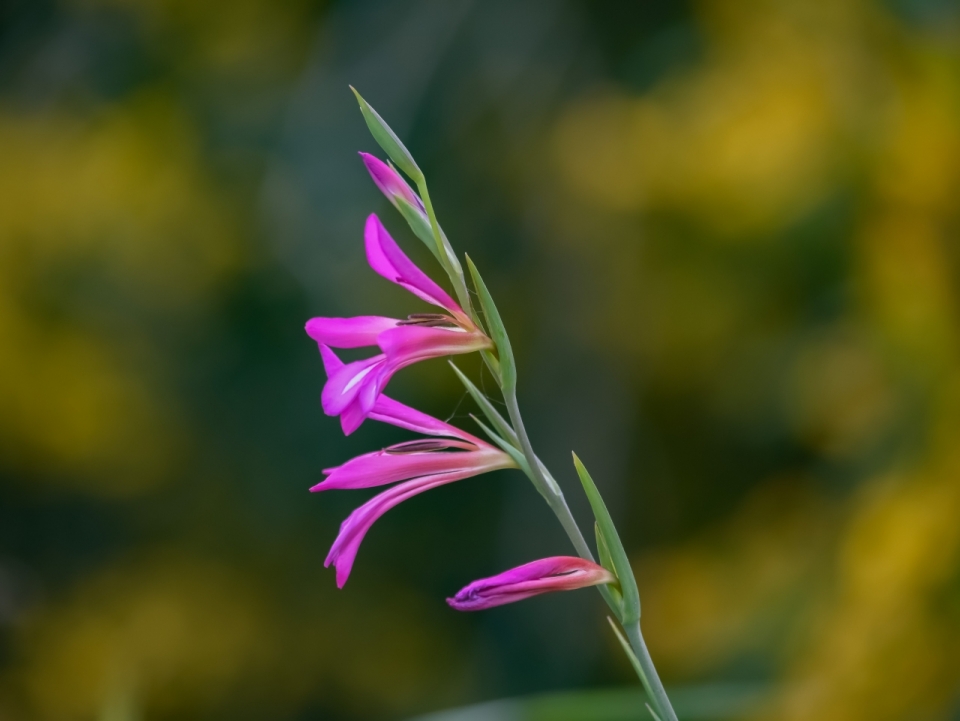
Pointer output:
758, 244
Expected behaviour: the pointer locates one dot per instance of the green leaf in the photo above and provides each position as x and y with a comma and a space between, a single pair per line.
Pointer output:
618, 556
603, 551
388, 140
419, 225
508, 368
498, 421
652, 712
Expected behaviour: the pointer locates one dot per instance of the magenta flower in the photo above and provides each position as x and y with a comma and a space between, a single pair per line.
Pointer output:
390, 183
559, 573
420, 465
352, 391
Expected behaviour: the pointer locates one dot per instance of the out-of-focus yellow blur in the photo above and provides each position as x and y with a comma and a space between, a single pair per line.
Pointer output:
766, 237
793, 100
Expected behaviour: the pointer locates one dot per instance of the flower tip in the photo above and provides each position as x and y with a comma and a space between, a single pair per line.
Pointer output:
349, 422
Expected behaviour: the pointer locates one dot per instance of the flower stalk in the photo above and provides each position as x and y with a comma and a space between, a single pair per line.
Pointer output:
354, 392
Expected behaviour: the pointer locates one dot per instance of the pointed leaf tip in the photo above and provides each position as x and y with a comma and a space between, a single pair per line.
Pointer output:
388, 140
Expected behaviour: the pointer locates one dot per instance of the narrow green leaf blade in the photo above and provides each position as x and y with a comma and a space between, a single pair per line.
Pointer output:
603, 552
508, 368
618, 556
498, 421
388, 140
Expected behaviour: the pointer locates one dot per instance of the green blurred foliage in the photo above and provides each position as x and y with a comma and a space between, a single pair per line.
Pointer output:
722, 235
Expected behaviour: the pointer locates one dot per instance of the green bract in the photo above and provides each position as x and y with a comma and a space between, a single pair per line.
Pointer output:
388, 140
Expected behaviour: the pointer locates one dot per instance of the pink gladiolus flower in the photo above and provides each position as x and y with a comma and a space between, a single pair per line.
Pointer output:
389, 181
352, 391
560, 573
451, 455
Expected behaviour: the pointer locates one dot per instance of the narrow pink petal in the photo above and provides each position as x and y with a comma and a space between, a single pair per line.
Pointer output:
386, 258
406, 344
345, 384
383, 467
396, 413
331, 363
389, 181
387, 410
355, 527
352, 417
356, 332
559, 573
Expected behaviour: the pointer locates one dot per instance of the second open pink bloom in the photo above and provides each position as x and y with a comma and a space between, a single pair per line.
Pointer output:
352, 391
415, 466
559, 573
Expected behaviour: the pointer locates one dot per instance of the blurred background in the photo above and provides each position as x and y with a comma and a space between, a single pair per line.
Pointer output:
724, 237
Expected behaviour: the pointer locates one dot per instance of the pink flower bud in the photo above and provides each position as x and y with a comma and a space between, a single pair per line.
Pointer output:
559, 573
390, 182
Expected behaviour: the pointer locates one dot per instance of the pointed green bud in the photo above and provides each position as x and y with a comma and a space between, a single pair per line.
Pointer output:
388, 140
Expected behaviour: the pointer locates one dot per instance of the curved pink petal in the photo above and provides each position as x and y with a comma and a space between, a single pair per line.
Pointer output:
388, 410
356, 332
559, 573
397, 414
331, 362
354, 528
386, 258
389, 181
383, 467
352, 417
406, 344
363, 381
346, 384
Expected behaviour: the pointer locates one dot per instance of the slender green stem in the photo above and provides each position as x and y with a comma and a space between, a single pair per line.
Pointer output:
548, 488
558, 504
449, 260
649, 677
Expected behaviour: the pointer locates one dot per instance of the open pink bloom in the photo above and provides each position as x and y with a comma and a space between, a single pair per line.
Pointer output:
352, 391
559, 573
415, 466
390, 183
